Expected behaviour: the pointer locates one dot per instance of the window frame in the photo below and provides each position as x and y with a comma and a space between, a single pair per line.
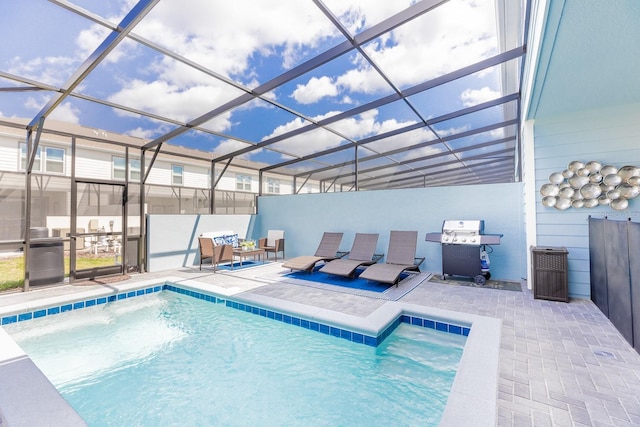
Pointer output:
174, 175
273, 186
134, 168
242, 181
45, 159
48, 161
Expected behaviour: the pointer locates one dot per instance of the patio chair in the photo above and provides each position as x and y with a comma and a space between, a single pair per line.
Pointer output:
217, 253
362, 254
400, 258
327, 251
274, 242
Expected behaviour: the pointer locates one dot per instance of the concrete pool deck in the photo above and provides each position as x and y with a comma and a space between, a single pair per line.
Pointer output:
559, 364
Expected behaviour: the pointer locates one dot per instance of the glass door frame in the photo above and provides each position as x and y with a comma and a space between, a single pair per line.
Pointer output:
74, 273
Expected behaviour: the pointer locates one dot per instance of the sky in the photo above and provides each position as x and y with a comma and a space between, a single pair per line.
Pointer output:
239, 46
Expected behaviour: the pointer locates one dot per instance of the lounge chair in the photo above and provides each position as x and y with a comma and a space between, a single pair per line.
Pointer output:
217, 253
362, 254
327, 251
274, 242
401, 257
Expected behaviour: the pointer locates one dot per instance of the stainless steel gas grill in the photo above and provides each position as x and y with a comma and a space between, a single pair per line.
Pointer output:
464, 248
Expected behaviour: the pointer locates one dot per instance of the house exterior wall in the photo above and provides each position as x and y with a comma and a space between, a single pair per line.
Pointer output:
609, 136
97, 163
51, 190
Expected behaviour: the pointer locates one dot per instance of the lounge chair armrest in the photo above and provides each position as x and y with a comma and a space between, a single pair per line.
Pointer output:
262, 242
377, 257
418, 260
279, 245
342, 254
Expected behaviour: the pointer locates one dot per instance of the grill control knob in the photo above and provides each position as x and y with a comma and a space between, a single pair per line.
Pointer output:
464, 239
473, 240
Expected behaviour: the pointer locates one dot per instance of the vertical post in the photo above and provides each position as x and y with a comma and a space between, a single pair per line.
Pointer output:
74, 214
27, 213
212, 188
125, 214
32, 151
143, 231
356, 168
260, 176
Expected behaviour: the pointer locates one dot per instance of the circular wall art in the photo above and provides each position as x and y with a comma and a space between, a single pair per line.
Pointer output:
591, 184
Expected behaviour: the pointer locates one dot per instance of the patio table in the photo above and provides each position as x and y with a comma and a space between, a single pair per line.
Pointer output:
243, 254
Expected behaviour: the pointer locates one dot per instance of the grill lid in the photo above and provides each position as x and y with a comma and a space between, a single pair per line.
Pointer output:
467, 225
462, 232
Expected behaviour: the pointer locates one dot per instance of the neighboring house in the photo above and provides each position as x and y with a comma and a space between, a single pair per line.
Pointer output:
178, 183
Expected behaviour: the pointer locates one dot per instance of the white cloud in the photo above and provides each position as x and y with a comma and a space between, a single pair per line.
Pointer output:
347, 100
362, 80
472, 97
145, 133
215, 35
64, 112
229, 146
498, 133
315, 90
452, 131
357, 15
53, 70
173, 101
220, 35
358, 127
456, 34
303, 144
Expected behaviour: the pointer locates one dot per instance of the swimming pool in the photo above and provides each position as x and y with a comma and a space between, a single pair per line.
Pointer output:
197, 363
25, 394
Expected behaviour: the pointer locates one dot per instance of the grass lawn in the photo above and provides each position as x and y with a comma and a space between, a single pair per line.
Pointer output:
12, 269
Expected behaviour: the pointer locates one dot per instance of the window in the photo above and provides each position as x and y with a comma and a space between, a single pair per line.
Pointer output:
273, 186
176, 174
243, 183
119, 169
23, 158
134, 170
54, 160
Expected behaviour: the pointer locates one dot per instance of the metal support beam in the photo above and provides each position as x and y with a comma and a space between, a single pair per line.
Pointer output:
355, 168
136, 14
74, 215
27, 214
153, 160
143, 225
297, 190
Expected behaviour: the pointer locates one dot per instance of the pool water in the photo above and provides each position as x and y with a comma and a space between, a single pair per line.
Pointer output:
170, 359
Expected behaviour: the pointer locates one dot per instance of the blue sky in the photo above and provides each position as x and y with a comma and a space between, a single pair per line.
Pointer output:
250, 42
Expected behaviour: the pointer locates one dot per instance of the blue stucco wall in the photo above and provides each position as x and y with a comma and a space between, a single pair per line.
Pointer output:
305, 217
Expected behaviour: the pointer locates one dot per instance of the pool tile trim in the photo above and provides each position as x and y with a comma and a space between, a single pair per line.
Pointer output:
349, 335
